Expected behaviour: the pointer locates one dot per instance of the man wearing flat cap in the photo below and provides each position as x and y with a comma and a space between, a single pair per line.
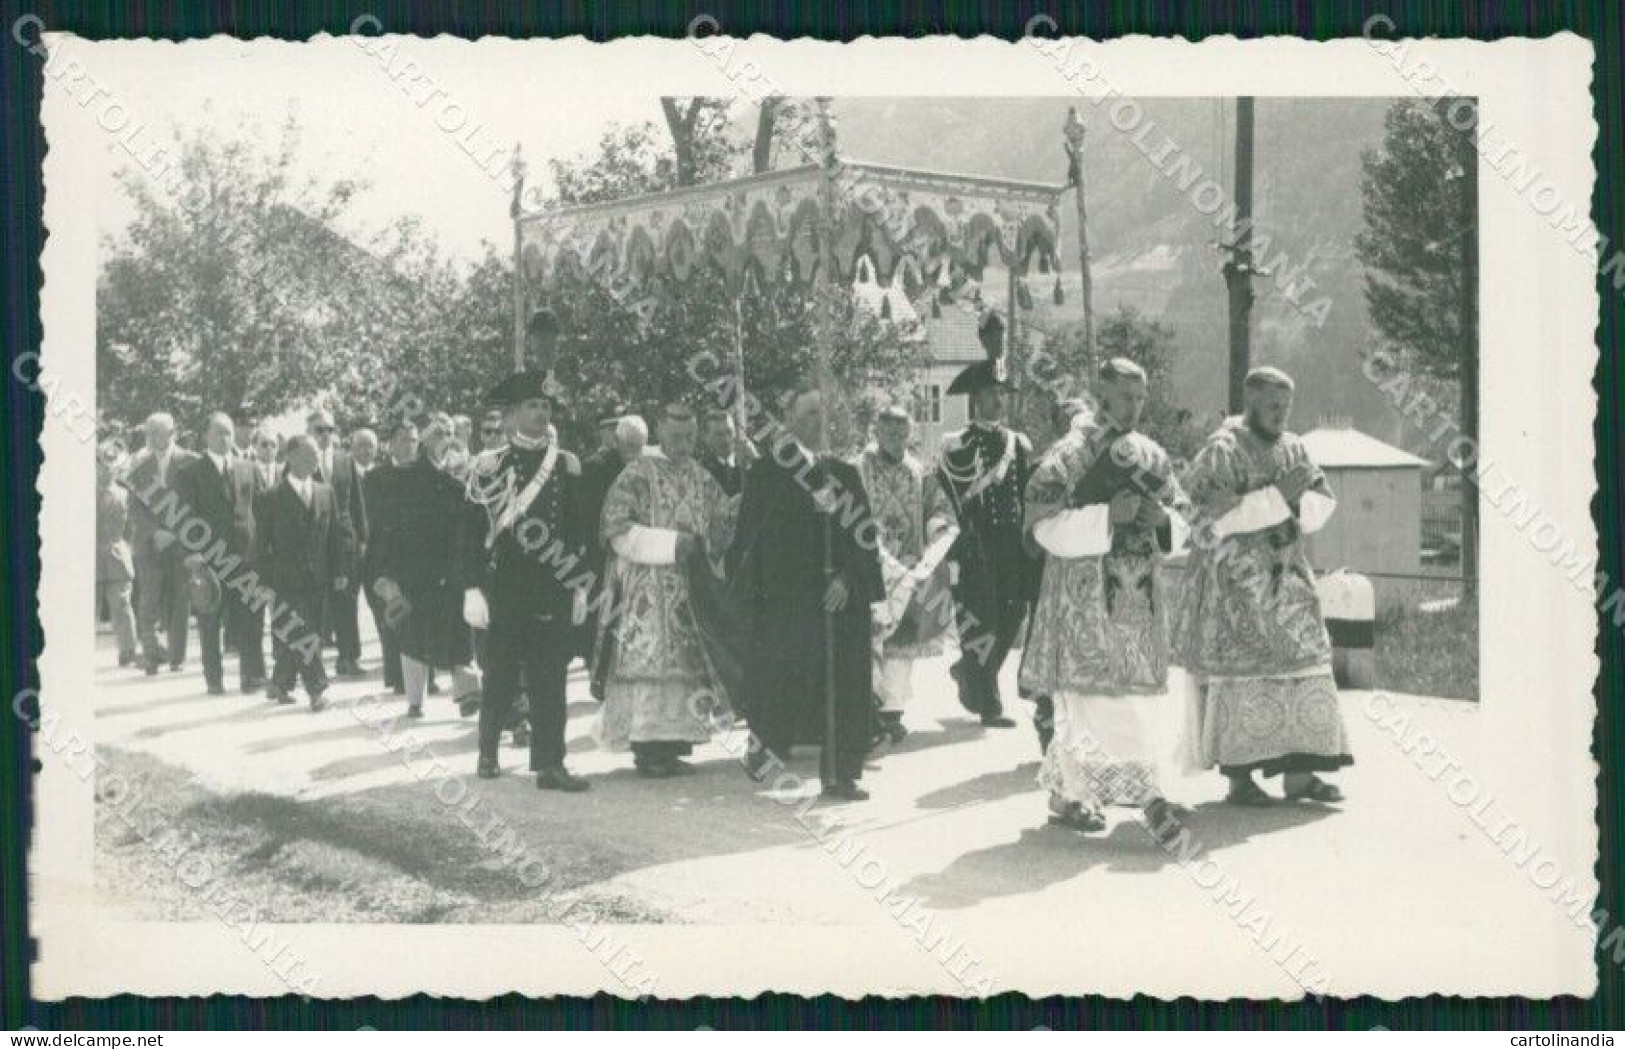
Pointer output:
984, 470
521, 552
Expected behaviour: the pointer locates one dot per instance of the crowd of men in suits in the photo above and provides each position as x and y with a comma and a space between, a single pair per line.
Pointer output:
324, 521
748, 574
294, 507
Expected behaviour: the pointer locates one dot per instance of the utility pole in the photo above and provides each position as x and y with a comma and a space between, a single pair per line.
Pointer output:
1238, 268
1075, 132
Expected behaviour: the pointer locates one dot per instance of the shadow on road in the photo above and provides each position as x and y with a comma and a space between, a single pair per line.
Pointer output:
242, 708
955, 730
1048, 855
989, 786
154, 704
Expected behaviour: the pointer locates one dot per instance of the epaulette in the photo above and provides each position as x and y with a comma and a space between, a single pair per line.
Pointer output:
953, 440
569, 463
488, 461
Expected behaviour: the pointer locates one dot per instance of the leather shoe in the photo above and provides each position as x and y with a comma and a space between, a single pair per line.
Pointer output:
318, 702
488, 770
559, 778
997, 721
278, 694
216, 689
969, 696
845, 790
756, 764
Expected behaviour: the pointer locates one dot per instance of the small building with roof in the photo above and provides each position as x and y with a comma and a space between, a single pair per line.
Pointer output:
1377, 529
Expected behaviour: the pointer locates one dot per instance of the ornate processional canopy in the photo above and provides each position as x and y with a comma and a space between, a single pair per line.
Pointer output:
768, 225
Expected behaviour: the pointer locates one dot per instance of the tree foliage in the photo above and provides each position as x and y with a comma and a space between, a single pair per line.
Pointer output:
1128, 333
236, 293
1056, 370
1420, 249
1417, 219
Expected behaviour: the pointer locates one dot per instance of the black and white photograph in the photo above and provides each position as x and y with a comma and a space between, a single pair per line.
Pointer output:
734, 516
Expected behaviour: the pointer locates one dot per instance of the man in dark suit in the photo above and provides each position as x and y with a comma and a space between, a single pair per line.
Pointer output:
337, 469
304, 552
724, 452
266, 470
160, 571
378, 489
218, 490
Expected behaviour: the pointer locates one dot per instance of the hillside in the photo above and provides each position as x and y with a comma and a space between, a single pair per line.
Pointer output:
1155, 250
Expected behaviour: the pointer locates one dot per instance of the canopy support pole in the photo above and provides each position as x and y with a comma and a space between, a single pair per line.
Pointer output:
514, 211
741, 420
1075, 132
823, 333
1011, 341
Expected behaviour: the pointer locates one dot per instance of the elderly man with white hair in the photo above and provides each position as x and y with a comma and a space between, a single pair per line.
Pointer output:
218, 491
160, 566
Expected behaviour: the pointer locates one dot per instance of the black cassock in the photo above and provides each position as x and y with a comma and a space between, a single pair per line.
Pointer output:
415, 543
777, 572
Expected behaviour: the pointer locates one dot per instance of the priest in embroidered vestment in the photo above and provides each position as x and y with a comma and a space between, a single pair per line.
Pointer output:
1104, 506
915, 523
1249, 630
662, 510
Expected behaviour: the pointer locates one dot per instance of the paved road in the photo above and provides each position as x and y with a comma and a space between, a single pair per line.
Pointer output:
957, 825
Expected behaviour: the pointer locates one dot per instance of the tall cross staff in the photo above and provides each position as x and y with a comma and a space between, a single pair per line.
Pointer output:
740, 417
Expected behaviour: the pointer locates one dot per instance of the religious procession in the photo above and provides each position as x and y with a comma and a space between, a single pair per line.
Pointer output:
710, 578
876, 486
